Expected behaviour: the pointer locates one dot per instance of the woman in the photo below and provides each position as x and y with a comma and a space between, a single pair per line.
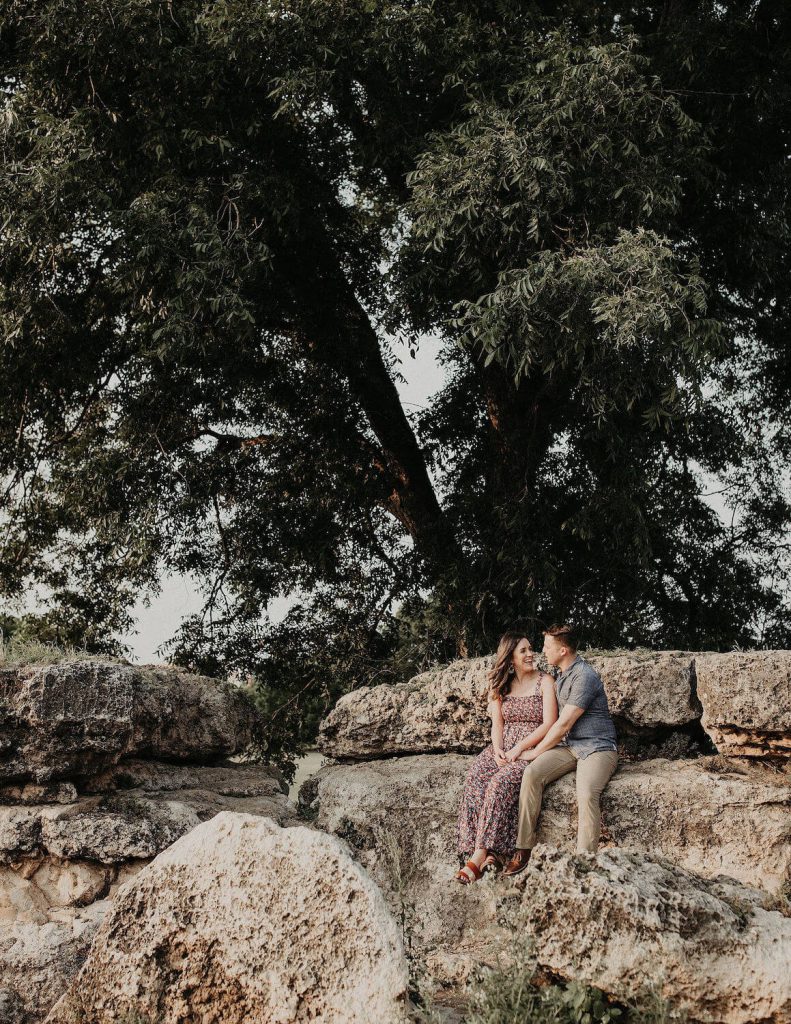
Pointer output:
523, 706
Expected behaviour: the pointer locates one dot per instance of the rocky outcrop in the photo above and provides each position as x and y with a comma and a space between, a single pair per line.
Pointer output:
62, 863
399, 815
186, 934
621, 921
746, 700
651, 695
441, 710
241, 920
69, 841
649, 691
39, 957
138, 809
71, 720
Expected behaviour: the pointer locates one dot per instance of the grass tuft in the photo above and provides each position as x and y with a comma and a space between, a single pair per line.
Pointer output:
15, 653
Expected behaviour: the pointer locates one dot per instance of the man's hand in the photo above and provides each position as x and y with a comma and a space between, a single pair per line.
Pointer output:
529, 755
513, 754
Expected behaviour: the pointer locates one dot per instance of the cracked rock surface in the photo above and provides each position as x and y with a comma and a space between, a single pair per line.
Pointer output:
242, 921
707, 815
79, 816
746, 699
623, 921
71, 720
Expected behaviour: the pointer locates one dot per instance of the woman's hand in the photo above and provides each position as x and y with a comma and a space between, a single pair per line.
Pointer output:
500, 759
512, 754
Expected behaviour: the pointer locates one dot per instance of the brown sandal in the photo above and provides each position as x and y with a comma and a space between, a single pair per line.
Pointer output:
465, 879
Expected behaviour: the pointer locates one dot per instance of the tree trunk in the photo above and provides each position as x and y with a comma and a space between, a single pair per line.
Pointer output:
338, 334
523, 420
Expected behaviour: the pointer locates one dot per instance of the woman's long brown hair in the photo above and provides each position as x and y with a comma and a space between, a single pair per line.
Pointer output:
501, 674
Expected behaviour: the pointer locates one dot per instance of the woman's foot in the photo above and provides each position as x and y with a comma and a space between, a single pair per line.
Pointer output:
469, 873
473, 869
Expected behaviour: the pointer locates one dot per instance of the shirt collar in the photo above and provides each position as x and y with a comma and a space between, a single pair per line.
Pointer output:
571, 666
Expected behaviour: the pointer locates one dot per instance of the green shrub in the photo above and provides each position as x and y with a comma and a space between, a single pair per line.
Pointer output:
511, 995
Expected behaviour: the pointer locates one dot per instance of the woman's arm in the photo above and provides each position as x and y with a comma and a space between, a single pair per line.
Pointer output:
568, 717
496, 711
550, 701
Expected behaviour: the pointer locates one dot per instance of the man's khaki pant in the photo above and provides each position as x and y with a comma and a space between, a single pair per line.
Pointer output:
593, 774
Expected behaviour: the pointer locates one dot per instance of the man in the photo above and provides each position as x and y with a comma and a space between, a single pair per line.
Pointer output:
589, 748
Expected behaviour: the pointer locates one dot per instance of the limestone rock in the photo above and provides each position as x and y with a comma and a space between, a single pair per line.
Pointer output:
439, 711
58, 858
35, 890
241, 921
73, 719
620, 921
649, 689
444, 711
38, 960
746, 699
165, 802
226, 779
399, 815
30, 793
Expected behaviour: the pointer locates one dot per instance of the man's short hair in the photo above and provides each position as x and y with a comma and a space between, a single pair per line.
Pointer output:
566, 635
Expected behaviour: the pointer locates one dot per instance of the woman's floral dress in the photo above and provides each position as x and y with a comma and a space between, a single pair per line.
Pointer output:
489, 809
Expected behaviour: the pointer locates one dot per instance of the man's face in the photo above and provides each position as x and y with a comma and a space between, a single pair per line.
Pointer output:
554, 650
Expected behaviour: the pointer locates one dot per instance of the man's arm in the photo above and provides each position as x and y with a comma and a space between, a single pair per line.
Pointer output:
568, 716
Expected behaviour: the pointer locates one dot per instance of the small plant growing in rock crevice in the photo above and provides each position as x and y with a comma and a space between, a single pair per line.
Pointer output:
399, 872
514, 993
125, 804
650, 1007
16, 652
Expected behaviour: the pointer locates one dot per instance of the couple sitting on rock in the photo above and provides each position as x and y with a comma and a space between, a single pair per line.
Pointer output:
541, 729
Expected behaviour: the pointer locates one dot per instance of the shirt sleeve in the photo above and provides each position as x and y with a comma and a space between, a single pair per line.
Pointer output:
583, 691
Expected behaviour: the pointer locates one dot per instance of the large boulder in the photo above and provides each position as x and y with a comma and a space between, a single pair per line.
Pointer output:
62, 862
649, 690
438, 711
243, 921
651, 695
624, 922
746, 699
399, 815
70, 720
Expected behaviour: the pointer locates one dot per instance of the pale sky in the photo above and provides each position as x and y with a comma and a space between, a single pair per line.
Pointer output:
179, 598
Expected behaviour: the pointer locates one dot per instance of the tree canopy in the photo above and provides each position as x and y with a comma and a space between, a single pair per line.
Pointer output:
223, 221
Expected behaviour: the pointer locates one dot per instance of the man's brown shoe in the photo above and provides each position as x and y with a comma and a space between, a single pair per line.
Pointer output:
517, 864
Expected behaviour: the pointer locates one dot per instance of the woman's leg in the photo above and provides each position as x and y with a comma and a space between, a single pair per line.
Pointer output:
497, 822
478, 777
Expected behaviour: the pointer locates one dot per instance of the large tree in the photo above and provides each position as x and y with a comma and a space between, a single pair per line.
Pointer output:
223, 221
